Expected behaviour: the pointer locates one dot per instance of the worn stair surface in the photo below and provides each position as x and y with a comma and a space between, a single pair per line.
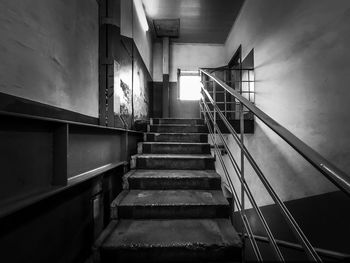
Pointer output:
173, 179
172, 208
180, 240
174, 148
143, 204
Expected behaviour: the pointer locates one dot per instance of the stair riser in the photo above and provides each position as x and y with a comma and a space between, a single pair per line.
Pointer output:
175, 164
175, 149
169, 184
178, 121
172, 212
179, 129
172, 254
176, 137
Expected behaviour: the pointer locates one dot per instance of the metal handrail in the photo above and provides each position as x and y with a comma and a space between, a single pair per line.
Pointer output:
239, 205
335, 175
324, 252
274, 246
283, 209
330, 171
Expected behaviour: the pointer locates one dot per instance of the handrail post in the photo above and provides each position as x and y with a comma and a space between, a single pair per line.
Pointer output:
202, 100
241, 125
214, 110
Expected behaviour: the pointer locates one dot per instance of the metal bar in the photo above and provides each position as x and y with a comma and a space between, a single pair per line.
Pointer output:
214, 95
244, 219
324, 252
249, 84
241, 126
335, 175
283, 209
275, 248
221, 92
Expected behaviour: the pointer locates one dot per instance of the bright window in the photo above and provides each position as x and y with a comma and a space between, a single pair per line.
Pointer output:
190, 85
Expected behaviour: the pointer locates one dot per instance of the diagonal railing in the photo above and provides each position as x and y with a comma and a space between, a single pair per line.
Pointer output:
336, 176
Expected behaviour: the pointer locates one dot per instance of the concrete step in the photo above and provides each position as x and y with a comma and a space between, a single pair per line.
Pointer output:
199, 240
174, 148
170, 204
176, 137
178, 121
182, 128
173, 179
175, 161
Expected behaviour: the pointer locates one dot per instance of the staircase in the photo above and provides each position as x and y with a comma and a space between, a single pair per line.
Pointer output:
173, 209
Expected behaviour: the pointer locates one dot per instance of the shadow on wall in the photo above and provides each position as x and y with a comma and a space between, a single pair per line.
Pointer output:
291, 176
321, 214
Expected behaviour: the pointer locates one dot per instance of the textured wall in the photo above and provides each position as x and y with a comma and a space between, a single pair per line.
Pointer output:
49, 52
302, 64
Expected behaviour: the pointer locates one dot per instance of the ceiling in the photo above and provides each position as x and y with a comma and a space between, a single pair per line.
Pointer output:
201, 21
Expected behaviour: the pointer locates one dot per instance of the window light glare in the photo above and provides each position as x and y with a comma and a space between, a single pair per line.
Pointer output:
141, 14
190, 87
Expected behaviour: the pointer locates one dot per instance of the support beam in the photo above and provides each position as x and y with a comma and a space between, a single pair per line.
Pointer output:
166, 98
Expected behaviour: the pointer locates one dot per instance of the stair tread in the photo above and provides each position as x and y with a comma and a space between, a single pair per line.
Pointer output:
174, 174
177, 143
190, 119
179, 156
178, 133
173, 198
187, 233
179, 124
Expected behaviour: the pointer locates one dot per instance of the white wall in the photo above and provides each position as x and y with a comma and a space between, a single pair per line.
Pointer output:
194, 56
49, 52
187, 57
302, 65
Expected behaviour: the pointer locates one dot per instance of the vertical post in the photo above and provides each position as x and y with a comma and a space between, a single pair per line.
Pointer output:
225, 94
214, 111
241, 119
249, 84
60, 155
166, 93
202, 100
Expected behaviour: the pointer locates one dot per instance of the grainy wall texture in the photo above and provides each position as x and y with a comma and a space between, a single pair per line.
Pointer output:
49, 52
302, 63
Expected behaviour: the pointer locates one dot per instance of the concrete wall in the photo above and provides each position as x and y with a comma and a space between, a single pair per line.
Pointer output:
302, 65
49, 52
